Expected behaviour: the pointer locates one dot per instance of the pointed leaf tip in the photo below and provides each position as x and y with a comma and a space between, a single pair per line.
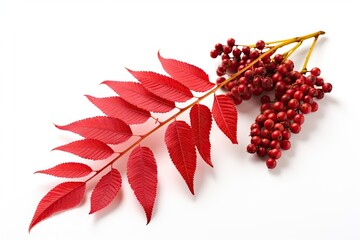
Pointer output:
142, 176
163, 86
87, 148
137, 95
225, 115
68, 170
106, 129
201, 121
105, 190
117, 107
180, 143
62, 197
189, 75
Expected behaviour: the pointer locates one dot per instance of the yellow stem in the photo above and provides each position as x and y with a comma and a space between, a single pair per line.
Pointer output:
304, 70
292, 50
212, 91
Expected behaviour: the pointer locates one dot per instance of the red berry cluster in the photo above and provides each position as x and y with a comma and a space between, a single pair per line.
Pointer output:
254, 81
295, 95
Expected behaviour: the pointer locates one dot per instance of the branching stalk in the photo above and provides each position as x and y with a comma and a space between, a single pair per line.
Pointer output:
281, 43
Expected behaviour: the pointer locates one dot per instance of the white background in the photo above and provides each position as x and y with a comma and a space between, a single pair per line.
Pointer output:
54, 52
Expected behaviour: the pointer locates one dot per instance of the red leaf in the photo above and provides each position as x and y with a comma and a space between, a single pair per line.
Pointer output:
201, 119
189, 75
142, 176
163, 86
87, 148
137, 95
106, 129
180, 143
62, 197
119, 108
105, 191
225, 115
68, 170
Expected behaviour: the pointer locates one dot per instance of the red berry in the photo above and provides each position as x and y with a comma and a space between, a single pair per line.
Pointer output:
220, 71
225, 56
265, 133
299, 95
265, 143
219, 47
320, 94
260, 44
236, 52
272, 116
265, 99
310, 80
281, 116
246, 50
315, 71
260, 71
280, 87
255, 132
289, 64
278, 106
267, 83
237, 100
214, 53
278, 58
256, 140
299, 118
304, 88
279, 126
277, 77
267, 112
230, 85
319, 81
285, 144
269, 124
308, 99
294, 75
274, 144
312, 92
261, 151
242, 88
286, 135
290, 114
254, 125
275, 153
276, 135
285, 98
295, 128
230, 42
271, 163
314, 106
290, 91
327, 87
220, 80
254, 54
283, 69
293, 103
227, 49
251, 148
305, 108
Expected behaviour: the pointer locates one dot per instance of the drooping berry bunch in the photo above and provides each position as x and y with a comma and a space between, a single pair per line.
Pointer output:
294, 92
